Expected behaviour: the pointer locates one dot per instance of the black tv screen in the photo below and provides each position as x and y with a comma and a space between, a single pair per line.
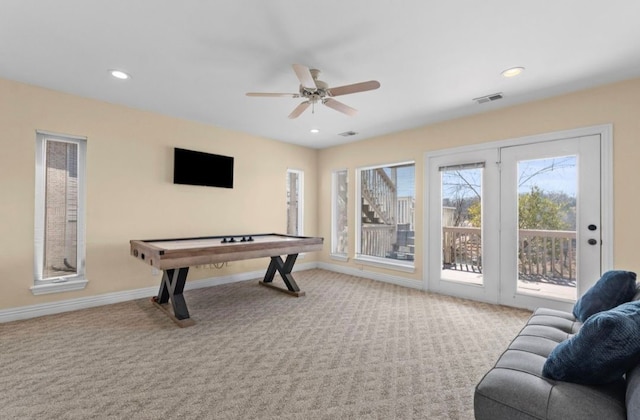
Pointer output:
199, 168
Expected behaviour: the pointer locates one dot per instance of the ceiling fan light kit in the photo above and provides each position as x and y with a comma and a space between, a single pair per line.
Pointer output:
314, 90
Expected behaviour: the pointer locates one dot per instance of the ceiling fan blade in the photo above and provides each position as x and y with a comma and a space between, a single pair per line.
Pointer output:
299, 109
287, 95
354, 88
304, 75
339, 106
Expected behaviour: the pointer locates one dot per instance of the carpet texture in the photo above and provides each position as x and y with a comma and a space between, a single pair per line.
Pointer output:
351, 348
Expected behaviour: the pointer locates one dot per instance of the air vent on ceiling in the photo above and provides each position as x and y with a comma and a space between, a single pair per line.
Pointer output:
489, 98
348, 133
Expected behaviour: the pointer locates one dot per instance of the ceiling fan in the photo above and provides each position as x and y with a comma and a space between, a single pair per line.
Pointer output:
314, 91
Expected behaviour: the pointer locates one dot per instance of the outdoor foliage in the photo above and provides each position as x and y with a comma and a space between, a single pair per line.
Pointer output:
538, 210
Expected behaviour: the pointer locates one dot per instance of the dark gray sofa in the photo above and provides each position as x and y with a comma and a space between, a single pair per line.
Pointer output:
515, 388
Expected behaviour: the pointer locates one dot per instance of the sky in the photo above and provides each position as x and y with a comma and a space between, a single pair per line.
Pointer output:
551, 175
407, 181
556, 175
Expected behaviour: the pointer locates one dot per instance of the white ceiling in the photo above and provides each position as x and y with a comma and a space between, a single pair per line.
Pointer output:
196, 59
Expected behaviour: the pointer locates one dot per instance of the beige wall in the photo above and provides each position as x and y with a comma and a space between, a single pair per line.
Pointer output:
617, 104
130, 194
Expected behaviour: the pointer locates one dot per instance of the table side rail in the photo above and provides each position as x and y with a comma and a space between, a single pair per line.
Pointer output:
166, 259
192, 260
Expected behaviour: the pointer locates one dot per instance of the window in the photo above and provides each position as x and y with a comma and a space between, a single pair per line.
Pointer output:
59, 213
339, 232
295, 197
385, 223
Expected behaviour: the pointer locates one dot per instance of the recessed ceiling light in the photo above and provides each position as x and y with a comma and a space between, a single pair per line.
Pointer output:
119, 74
314, 130
512, 72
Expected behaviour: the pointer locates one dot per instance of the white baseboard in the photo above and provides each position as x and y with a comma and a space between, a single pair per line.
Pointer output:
33, 311
42, 309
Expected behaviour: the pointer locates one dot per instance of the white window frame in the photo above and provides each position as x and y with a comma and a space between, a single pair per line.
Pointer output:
341, 256
76, 281
300, 193
399, 265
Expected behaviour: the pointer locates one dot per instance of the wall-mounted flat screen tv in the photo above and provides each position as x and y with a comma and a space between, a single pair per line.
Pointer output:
198, 168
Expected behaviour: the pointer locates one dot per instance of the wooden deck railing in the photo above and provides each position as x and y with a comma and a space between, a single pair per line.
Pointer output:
378, 212
377, 240
379, 193
549, 254
462, 249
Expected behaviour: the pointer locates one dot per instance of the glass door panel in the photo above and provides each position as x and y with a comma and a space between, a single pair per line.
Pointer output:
462, 223
547, 227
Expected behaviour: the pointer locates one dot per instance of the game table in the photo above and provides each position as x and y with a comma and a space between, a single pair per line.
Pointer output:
175, 256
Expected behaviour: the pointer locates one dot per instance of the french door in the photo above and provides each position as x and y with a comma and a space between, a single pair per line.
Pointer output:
463, 216
550, 228
516, 224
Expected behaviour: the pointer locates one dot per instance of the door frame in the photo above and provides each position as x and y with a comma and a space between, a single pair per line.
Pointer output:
490, 203
606, 181
588, 264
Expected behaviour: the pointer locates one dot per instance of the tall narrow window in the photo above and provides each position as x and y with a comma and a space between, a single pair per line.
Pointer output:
339, 234
385, 224
60, 213
295, 196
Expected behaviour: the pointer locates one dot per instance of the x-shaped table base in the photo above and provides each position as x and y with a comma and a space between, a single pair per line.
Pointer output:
284, 268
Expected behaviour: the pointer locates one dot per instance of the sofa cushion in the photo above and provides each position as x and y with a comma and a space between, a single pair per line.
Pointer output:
605, 348
614, 288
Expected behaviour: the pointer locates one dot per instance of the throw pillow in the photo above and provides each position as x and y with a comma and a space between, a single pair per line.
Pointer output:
605, 348
614, 288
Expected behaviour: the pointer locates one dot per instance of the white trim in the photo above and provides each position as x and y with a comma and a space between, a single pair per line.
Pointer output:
605, 130
77, 281
386, 165
490, 200
358, 214
34, 311
385, 263
42, 309
66, 136
397, 280
59, 286
606, 193
339, 257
